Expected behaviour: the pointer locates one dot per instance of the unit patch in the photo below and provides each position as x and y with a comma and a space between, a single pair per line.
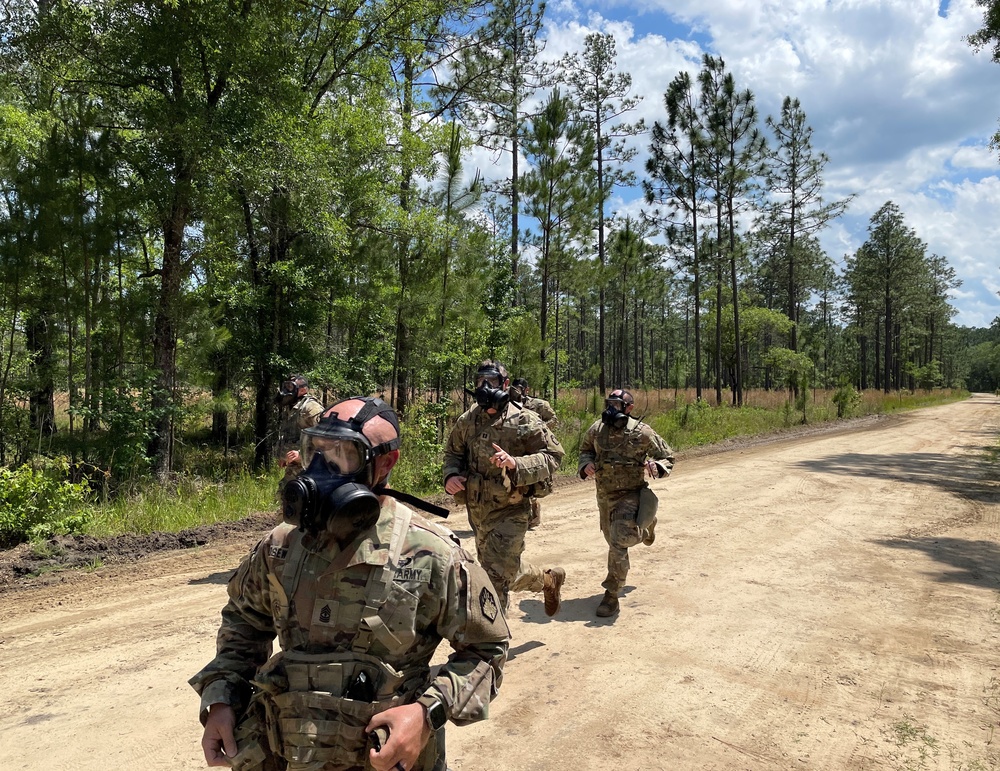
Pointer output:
488, 605
412, 574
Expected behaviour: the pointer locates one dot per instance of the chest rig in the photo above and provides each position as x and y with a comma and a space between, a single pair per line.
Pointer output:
318, 703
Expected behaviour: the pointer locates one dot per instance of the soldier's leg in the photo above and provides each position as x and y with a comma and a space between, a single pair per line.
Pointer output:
621, 532
487, 555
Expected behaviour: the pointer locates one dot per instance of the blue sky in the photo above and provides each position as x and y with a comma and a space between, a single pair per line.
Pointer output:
897, 99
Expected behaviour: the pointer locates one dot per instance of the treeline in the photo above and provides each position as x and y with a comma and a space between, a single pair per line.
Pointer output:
201, 197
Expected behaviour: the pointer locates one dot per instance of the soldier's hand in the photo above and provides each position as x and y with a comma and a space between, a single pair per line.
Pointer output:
652, 469
217, 742
589, 470
292, 457
501, 458
454, 484
408, 733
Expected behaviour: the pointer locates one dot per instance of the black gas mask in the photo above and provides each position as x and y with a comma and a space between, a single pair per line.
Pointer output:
287, 394
614, 414
336, 492
490, 393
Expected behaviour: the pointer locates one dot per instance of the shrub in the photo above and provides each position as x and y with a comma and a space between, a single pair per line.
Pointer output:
847, 400
37, 502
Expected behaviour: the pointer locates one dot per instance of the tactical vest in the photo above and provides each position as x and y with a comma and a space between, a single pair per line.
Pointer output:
318, 704
619, 457
488, 486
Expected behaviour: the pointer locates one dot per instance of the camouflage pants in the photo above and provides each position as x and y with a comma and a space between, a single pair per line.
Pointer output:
500, 544
620, 517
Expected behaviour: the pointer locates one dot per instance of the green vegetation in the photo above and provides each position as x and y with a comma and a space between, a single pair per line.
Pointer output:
47, 506
197, 199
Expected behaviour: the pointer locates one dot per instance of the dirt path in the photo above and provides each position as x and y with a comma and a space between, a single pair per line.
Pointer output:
828, 602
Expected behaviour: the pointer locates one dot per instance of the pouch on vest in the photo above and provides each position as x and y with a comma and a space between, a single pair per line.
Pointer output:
540, 489
253, 748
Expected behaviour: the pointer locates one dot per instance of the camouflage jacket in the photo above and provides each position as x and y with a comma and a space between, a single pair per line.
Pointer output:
305, 413
436, 592
520, 432
542, 409
619, 454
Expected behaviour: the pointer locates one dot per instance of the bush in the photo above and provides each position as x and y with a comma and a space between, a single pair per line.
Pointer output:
37, 502
847, 400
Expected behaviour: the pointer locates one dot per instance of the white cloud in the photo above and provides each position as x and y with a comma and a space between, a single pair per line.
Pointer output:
897, 99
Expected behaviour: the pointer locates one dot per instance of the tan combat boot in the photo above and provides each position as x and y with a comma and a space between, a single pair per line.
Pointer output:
552, 588
608, 606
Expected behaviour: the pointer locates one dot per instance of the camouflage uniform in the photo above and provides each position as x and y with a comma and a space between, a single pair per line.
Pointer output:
305, 413
627, 506
543, 410
379, 607
498, 500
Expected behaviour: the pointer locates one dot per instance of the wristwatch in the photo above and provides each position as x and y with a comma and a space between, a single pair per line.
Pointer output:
437, 715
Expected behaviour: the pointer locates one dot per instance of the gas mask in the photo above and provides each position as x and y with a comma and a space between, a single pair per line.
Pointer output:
614, 414
336, 493
490, 393
287, 394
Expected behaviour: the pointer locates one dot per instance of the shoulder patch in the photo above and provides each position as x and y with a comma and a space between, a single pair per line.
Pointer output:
488, 605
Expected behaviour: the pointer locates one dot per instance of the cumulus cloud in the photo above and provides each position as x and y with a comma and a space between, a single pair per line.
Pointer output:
897, 99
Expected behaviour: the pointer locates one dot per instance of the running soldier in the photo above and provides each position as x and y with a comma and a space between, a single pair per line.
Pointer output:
497, 457
618, 450
521, 393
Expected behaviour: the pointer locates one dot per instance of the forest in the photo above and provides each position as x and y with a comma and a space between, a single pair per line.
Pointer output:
199, 198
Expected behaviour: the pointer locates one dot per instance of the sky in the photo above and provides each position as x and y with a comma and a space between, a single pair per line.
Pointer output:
900, 103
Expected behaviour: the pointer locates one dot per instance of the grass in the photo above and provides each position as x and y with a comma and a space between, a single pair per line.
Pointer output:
188, 503
682, 421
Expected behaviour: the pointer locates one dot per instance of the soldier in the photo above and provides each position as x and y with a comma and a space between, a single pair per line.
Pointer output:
497, 456
299, 410
359, 591
520, 393
618, 449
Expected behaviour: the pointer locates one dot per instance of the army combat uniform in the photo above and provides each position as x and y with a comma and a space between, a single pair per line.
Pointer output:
543, 410
357, 630
627, 506
305, 413
498, 500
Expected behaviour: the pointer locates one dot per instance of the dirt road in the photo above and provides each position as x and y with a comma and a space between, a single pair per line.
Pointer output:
828, 602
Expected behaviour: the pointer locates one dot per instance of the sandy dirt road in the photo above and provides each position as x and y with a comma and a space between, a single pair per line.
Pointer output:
827, 602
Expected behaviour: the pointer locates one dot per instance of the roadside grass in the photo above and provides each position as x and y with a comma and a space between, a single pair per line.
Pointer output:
189, 502
211, 486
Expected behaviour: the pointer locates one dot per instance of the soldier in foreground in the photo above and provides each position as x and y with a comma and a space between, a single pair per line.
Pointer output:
497, 457
618, 450
298, 410
520, 392
359, 591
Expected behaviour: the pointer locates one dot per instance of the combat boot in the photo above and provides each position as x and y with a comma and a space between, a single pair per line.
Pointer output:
608, 606
648, 536
552, 589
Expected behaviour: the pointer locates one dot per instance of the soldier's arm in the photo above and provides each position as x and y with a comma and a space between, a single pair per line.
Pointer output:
588, 452
455, 449
544, 456
472, 621
546, 413
661, 453
244, 640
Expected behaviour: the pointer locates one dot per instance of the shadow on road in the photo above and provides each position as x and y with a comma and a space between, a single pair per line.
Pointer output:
973, 562
212, 578
964, 476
